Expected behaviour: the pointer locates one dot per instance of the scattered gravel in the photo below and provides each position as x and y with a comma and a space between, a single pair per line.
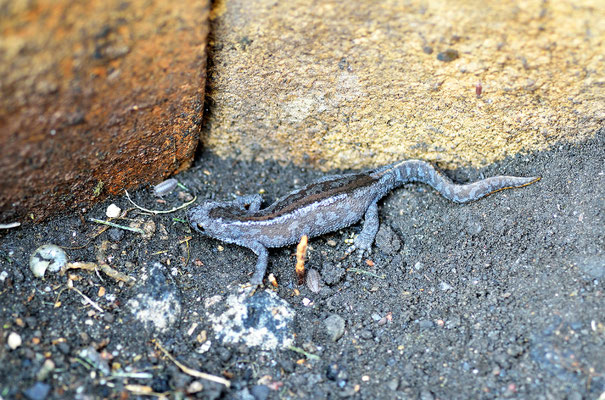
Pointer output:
500, 298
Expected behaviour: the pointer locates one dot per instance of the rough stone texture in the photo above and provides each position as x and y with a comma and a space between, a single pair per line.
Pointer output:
97, 96
355, 84
263, 320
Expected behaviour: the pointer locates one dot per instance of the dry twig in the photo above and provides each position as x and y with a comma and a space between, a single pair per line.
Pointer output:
155, 212
106, 269
190, 371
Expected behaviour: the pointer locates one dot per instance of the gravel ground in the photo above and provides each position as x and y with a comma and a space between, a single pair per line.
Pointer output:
501, 298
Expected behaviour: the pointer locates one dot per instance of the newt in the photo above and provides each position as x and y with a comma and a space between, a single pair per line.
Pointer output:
329, 204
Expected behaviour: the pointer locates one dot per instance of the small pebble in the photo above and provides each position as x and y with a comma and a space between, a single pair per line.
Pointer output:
115, 234
48, 256
184, 196
194, 387
113, 211
3, 276
332, 274
260, 392
14, 340
335, 327
224, 354
332, 371
46, 369
426, 395
38, 391
393, 384
426, 324
286, 365
31, 321
63, 347
149, 229
478, 89
366, 334
448, 55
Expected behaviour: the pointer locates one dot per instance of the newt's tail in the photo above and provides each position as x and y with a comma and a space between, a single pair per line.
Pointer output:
421, 171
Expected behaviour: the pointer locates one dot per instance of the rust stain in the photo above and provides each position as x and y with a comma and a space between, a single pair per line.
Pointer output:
106, 91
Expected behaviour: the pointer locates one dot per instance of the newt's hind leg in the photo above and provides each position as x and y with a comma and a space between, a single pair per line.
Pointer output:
250, 202
363, 241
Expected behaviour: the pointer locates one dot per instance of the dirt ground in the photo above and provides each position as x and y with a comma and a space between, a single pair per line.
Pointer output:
500, 298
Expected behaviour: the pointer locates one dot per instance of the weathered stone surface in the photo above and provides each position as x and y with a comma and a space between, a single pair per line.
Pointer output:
353, 84
96, 96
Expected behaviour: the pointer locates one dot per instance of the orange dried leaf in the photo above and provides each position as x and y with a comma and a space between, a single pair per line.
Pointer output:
301, 252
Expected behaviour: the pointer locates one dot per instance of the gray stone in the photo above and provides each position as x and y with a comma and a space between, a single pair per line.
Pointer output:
115, 234
332, 274
262, 320
260, 392
156, 304
38, 391
335, 327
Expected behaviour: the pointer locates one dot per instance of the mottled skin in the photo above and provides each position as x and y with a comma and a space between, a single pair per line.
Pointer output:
327, 205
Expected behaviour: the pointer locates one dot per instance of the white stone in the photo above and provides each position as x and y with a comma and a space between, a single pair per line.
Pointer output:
113, 211
14, 340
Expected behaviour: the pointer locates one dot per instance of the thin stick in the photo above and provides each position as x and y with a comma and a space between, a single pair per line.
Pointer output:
88, 300
134, 375
190, 371
99, 221
10, 226
361, 271
304, 353
159, 211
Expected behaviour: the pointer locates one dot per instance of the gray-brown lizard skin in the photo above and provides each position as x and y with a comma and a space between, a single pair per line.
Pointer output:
332, 203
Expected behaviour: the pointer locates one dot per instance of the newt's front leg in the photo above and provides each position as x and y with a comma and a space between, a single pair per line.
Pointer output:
261, 262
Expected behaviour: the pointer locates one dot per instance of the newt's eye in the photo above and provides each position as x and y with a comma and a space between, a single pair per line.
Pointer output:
200, 227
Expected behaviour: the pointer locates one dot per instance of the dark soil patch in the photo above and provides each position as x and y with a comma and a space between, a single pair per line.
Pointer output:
500, 298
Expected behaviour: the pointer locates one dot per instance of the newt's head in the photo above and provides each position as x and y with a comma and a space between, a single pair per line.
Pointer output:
199, 218
212, 218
